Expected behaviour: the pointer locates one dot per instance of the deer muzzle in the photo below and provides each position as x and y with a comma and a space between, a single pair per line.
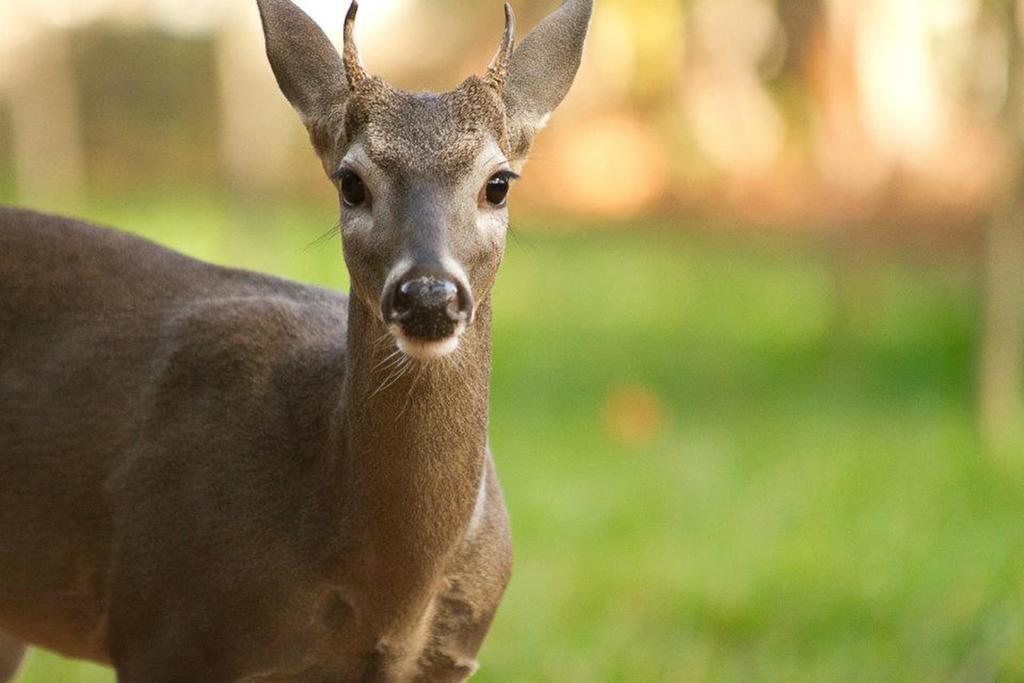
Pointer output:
427, 309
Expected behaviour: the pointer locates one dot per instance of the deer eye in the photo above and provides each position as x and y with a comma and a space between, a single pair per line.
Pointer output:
496, 190
353, 190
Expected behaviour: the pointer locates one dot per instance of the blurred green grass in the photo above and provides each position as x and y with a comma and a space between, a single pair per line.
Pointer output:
807, 499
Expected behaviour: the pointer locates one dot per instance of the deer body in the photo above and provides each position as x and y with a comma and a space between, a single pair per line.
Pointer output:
256, 511
214, 475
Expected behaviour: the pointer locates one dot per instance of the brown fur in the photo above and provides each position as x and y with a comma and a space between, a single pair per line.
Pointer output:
214, 476
440, 134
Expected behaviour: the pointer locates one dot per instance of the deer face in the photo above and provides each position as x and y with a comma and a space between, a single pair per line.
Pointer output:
423, 185
423, 179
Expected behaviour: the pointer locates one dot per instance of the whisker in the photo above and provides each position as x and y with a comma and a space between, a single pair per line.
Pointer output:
398, 367
381, 386
494, 160
412, 388
382, 341
394, 364
403, 368
520, 239
326, 237
528, 158
387, 359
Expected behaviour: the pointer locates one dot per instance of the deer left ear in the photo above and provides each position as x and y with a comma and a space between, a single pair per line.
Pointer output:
308, 69
542, 70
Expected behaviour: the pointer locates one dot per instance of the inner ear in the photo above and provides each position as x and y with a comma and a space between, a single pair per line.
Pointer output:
543, 69
308, 69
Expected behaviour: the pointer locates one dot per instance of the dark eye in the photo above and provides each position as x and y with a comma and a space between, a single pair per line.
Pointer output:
496, 191
353, 190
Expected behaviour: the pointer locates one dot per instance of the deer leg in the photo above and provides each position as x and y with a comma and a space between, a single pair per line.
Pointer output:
12, 651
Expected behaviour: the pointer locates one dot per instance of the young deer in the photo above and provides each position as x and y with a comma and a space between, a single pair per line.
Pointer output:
209, 475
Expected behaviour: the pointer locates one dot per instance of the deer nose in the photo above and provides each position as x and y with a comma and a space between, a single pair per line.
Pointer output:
428, 307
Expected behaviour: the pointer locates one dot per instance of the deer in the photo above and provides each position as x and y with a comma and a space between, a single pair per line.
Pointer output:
209, 475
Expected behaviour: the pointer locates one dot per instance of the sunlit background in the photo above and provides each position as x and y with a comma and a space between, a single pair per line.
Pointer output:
759, 334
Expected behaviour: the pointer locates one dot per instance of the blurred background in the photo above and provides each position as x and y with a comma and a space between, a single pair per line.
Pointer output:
758, 338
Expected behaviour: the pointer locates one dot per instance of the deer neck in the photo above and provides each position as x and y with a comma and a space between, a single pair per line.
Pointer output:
414, 441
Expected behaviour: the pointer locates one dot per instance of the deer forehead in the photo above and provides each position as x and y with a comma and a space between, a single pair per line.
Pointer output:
438, 134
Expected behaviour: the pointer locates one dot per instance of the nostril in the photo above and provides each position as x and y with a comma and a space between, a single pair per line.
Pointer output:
453, 310
449, 293
402, 302
464, 304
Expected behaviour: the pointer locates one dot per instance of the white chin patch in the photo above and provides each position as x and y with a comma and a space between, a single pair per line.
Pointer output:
421, 350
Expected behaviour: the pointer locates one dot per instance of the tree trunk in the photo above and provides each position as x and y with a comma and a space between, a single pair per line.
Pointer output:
257, 129
1002, 345
48, 148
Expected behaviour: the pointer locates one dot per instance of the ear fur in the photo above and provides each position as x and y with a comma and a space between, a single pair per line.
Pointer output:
308, 69
542, 70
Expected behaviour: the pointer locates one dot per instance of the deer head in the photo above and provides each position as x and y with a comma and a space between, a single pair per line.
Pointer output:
423, 178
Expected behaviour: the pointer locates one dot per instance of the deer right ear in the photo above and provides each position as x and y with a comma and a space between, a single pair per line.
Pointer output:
308, 69
542, 70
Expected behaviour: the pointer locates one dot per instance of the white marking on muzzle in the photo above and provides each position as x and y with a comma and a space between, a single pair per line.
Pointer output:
424, 350
429, 350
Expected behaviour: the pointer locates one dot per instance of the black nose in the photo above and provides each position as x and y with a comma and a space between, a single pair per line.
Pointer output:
427, 306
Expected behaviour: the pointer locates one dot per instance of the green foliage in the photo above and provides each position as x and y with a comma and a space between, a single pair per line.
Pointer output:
809, 503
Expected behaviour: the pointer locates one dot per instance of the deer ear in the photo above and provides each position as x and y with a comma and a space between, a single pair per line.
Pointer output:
308, 69
542, 70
